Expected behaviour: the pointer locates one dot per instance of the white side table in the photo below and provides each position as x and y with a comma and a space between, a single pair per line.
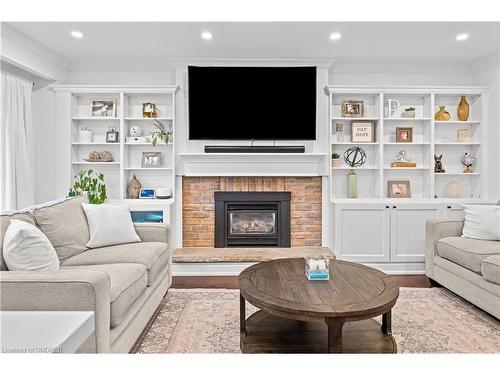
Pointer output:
44, 331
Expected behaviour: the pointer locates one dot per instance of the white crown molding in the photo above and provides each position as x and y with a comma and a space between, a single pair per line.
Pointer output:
104, 66
486, 62
401, 66
181, 62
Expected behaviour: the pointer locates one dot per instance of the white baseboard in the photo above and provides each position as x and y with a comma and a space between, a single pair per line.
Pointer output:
234, 269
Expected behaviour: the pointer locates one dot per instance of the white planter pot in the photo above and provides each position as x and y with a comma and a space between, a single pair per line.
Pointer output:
85, 136
335, 162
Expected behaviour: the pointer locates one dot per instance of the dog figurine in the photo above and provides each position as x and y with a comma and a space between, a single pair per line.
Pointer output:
438, 165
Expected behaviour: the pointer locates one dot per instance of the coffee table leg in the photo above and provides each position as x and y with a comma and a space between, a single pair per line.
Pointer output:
243, 329
335, 326
387, 323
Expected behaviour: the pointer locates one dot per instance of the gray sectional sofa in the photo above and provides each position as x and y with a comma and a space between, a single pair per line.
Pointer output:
122, 284
467, 267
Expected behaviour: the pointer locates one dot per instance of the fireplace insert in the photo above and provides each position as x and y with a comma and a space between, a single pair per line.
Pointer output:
252, 219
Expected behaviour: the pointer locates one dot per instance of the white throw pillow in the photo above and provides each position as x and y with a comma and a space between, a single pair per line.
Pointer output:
482, 222
26, 248
109, 225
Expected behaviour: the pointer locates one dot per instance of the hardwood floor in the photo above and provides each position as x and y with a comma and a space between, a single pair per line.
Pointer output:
231, 282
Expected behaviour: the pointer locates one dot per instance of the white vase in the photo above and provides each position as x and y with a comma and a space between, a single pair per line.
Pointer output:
85, 136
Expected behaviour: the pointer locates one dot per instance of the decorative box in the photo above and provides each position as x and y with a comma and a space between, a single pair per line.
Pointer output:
136, 139
317, 267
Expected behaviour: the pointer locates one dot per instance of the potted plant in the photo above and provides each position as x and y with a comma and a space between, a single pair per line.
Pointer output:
90, 184
85, 135
409, 112
335, 160
161, 133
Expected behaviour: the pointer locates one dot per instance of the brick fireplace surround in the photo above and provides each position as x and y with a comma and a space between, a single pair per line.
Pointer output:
198, 209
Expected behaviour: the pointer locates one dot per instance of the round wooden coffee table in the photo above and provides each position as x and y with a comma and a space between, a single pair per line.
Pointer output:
294, 310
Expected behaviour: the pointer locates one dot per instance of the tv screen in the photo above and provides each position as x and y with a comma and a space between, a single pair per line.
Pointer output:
245, 103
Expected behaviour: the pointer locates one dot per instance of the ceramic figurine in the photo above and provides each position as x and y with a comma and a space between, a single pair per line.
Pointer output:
463, 109
134, 188
442, 114
438, 165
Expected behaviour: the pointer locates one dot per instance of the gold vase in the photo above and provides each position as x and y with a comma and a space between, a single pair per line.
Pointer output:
463, 109
442, 114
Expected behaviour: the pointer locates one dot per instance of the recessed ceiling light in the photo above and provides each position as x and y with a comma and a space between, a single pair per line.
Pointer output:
206, 35
335, 36
77, 34
461, 37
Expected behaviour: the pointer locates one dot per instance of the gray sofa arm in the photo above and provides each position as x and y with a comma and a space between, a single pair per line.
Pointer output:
436, 229
73, 290
152, 232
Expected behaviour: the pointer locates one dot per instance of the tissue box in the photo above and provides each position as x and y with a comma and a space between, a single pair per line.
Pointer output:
317, 267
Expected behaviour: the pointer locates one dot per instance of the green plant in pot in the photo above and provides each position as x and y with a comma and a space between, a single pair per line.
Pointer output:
409, 112
91, 184
161, 133
335, 160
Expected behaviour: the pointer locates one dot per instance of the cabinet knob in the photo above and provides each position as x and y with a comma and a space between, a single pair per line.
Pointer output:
386, 206
393, 206
448, 207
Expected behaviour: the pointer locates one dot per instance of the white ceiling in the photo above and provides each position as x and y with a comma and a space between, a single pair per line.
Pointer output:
159, 41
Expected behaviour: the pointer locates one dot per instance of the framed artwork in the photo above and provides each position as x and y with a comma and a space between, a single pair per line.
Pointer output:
399, 189
362, 131
352, 108
464, 135
404, 135
103, 107
151, 159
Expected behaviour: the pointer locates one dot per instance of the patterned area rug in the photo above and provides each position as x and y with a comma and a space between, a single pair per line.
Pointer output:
431, 320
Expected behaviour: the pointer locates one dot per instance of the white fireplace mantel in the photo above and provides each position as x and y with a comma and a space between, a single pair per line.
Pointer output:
254, 164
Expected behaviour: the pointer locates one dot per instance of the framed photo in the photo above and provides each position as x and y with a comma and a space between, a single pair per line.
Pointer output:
399, 189
362, 131
464, 135
404, 135
352, 108
151, 159
103, 107
112, 135
147, 193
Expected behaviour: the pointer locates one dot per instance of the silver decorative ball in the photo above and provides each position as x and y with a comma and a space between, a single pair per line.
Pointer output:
355, 156
135, 131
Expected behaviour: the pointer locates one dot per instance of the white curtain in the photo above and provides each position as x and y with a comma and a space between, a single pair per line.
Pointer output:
17, 177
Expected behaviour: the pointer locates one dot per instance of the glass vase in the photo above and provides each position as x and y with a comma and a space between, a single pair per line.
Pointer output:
352, 184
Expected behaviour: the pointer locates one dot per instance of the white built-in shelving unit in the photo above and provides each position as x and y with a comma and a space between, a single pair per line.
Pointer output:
430, 137
74, 113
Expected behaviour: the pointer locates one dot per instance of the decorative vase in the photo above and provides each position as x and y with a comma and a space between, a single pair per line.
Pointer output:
442, 114
463, 109
352, 184
85, 136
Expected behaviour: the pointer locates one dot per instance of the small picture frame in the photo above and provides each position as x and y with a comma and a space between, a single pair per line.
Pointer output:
147, 193
363, 131
112, 135
352, 108
404, 135
151, 159
464, 135
399, 189
103, 107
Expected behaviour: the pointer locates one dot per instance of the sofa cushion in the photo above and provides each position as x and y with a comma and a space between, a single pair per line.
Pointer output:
467, 252
128, 282
4, 224
65, 225
490, 268
153, 255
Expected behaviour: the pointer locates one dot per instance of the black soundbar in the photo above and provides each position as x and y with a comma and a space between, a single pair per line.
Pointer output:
255, 149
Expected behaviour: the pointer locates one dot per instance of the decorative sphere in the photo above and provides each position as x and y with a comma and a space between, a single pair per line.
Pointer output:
355, 156
135, 131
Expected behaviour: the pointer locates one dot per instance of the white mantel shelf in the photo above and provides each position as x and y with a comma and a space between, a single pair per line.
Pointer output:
252, 164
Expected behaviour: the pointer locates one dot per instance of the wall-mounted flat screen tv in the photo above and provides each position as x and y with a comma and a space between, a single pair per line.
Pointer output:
252, 103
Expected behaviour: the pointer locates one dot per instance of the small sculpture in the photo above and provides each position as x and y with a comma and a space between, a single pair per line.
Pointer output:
467, 161
135, 131
134, 188
438, 165
442, 114
355, 156
402, 161
96, 156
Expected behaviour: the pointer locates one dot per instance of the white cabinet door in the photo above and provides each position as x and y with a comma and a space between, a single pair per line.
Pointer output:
454, 212
362, 232
408, 230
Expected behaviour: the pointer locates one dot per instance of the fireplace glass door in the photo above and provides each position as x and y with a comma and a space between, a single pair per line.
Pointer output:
252, 222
